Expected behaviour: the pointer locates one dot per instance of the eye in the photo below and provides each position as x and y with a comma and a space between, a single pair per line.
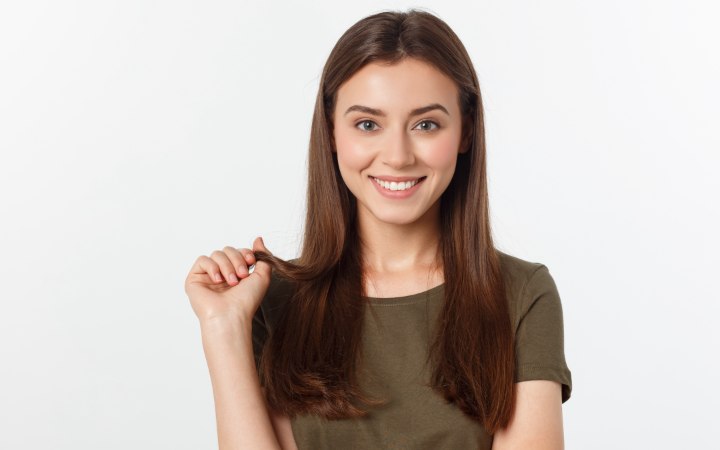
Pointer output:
366, 125
426, 125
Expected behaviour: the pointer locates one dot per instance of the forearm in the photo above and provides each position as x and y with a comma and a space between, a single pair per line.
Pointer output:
242, 417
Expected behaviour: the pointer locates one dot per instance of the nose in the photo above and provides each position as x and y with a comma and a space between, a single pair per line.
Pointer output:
398, 150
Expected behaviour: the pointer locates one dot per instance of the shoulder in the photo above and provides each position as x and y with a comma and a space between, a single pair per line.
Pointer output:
525, 282
518, 272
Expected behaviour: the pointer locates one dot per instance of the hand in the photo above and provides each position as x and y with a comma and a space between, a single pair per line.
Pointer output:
220, 287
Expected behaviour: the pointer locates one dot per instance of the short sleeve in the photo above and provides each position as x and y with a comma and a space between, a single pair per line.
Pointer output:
539, 338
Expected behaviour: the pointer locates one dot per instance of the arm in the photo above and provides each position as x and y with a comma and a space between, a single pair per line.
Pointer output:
243, 420
226, 297
283, 429
537, 422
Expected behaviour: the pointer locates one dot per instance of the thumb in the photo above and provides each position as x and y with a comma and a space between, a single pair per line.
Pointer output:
261, 268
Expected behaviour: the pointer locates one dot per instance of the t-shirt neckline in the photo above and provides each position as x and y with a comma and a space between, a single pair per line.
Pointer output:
408, 298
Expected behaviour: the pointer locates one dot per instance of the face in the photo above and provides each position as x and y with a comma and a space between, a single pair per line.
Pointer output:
397, 131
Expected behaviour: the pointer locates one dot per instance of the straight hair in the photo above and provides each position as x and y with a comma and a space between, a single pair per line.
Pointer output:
308, 364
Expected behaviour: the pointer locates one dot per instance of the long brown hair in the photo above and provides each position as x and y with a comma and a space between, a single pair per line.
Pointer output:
309, 360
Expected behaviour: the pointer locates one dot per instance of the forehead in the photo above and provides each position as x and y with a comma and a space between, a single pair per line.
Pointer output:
398, 88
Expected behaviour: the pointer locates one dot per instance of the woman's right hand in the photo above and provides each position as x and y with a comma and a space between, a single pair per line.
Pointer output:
220, 288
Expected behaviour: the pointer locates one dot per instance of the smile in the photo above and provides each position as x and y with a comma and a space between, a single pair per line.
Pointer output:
397, 185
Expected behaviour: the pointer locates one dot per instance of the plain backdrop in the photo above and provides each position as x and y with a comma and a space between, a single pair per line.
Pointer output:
136, 136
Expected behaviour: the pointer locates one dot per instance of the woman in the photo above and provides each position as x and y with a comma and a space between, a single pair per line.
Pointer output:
399, 325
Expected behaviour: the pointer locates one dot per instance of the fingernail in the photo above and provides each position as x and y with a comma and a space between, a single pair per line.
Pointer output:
217, 277
232, 278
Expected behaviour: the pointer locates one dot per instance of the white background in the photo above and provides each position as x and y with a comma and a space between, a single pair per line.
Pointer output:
137, 135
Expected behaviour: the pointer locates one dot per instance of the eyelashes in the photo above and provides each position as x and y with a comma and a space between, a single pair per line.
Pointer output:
362, 125
370, 126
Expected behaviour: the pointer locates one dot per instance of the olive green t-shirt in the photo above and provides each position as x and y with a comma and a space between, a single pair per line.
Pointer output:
396, 341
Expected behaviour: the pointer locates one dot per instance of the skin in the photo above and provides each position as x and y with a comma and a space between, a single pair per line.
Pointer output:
399, 237
537, 422
225, 307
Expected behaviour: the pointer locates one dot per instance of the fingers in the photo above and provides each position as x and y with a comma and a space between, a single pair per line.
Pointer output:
261, 268
248, 255
259, 244
204, 266
240, 260
231, 264
225, 266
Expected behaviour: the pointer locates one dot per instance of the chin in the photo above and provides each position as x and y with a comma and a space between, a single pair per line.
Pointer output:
396, 219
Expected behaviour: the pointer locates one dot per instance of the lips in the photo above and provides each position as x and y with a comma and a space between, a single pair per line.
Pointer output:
397, 179
397, 184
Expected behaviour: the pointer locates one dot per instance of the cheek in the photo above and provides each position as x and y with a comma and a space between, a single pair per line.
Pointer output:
351, 152
441, 153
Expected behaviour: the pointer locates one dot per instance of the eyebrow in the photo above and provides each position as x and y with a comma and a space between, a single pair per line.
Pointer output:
381, 113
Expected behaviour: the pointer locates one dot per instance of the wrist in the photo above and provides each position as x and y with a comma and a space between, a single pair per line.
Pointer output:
224, 325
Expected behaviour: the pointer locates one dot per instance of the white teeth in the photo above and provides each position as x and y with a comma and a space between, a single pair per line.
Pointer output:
395, 185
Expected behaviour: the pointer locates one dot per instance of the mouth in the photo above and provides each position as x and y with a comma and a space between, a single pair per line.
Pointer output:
398, 185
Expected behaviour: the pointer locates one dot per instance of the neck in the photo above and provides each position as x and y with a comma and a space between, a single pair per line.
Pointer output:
397, 248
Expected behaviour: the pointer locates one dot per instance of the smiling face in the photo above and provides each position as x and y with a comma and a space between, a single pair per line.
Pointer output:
397, 131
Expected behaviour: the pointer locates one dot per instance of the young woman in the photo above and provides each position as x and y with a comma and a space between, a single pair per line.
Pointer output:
400, 325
